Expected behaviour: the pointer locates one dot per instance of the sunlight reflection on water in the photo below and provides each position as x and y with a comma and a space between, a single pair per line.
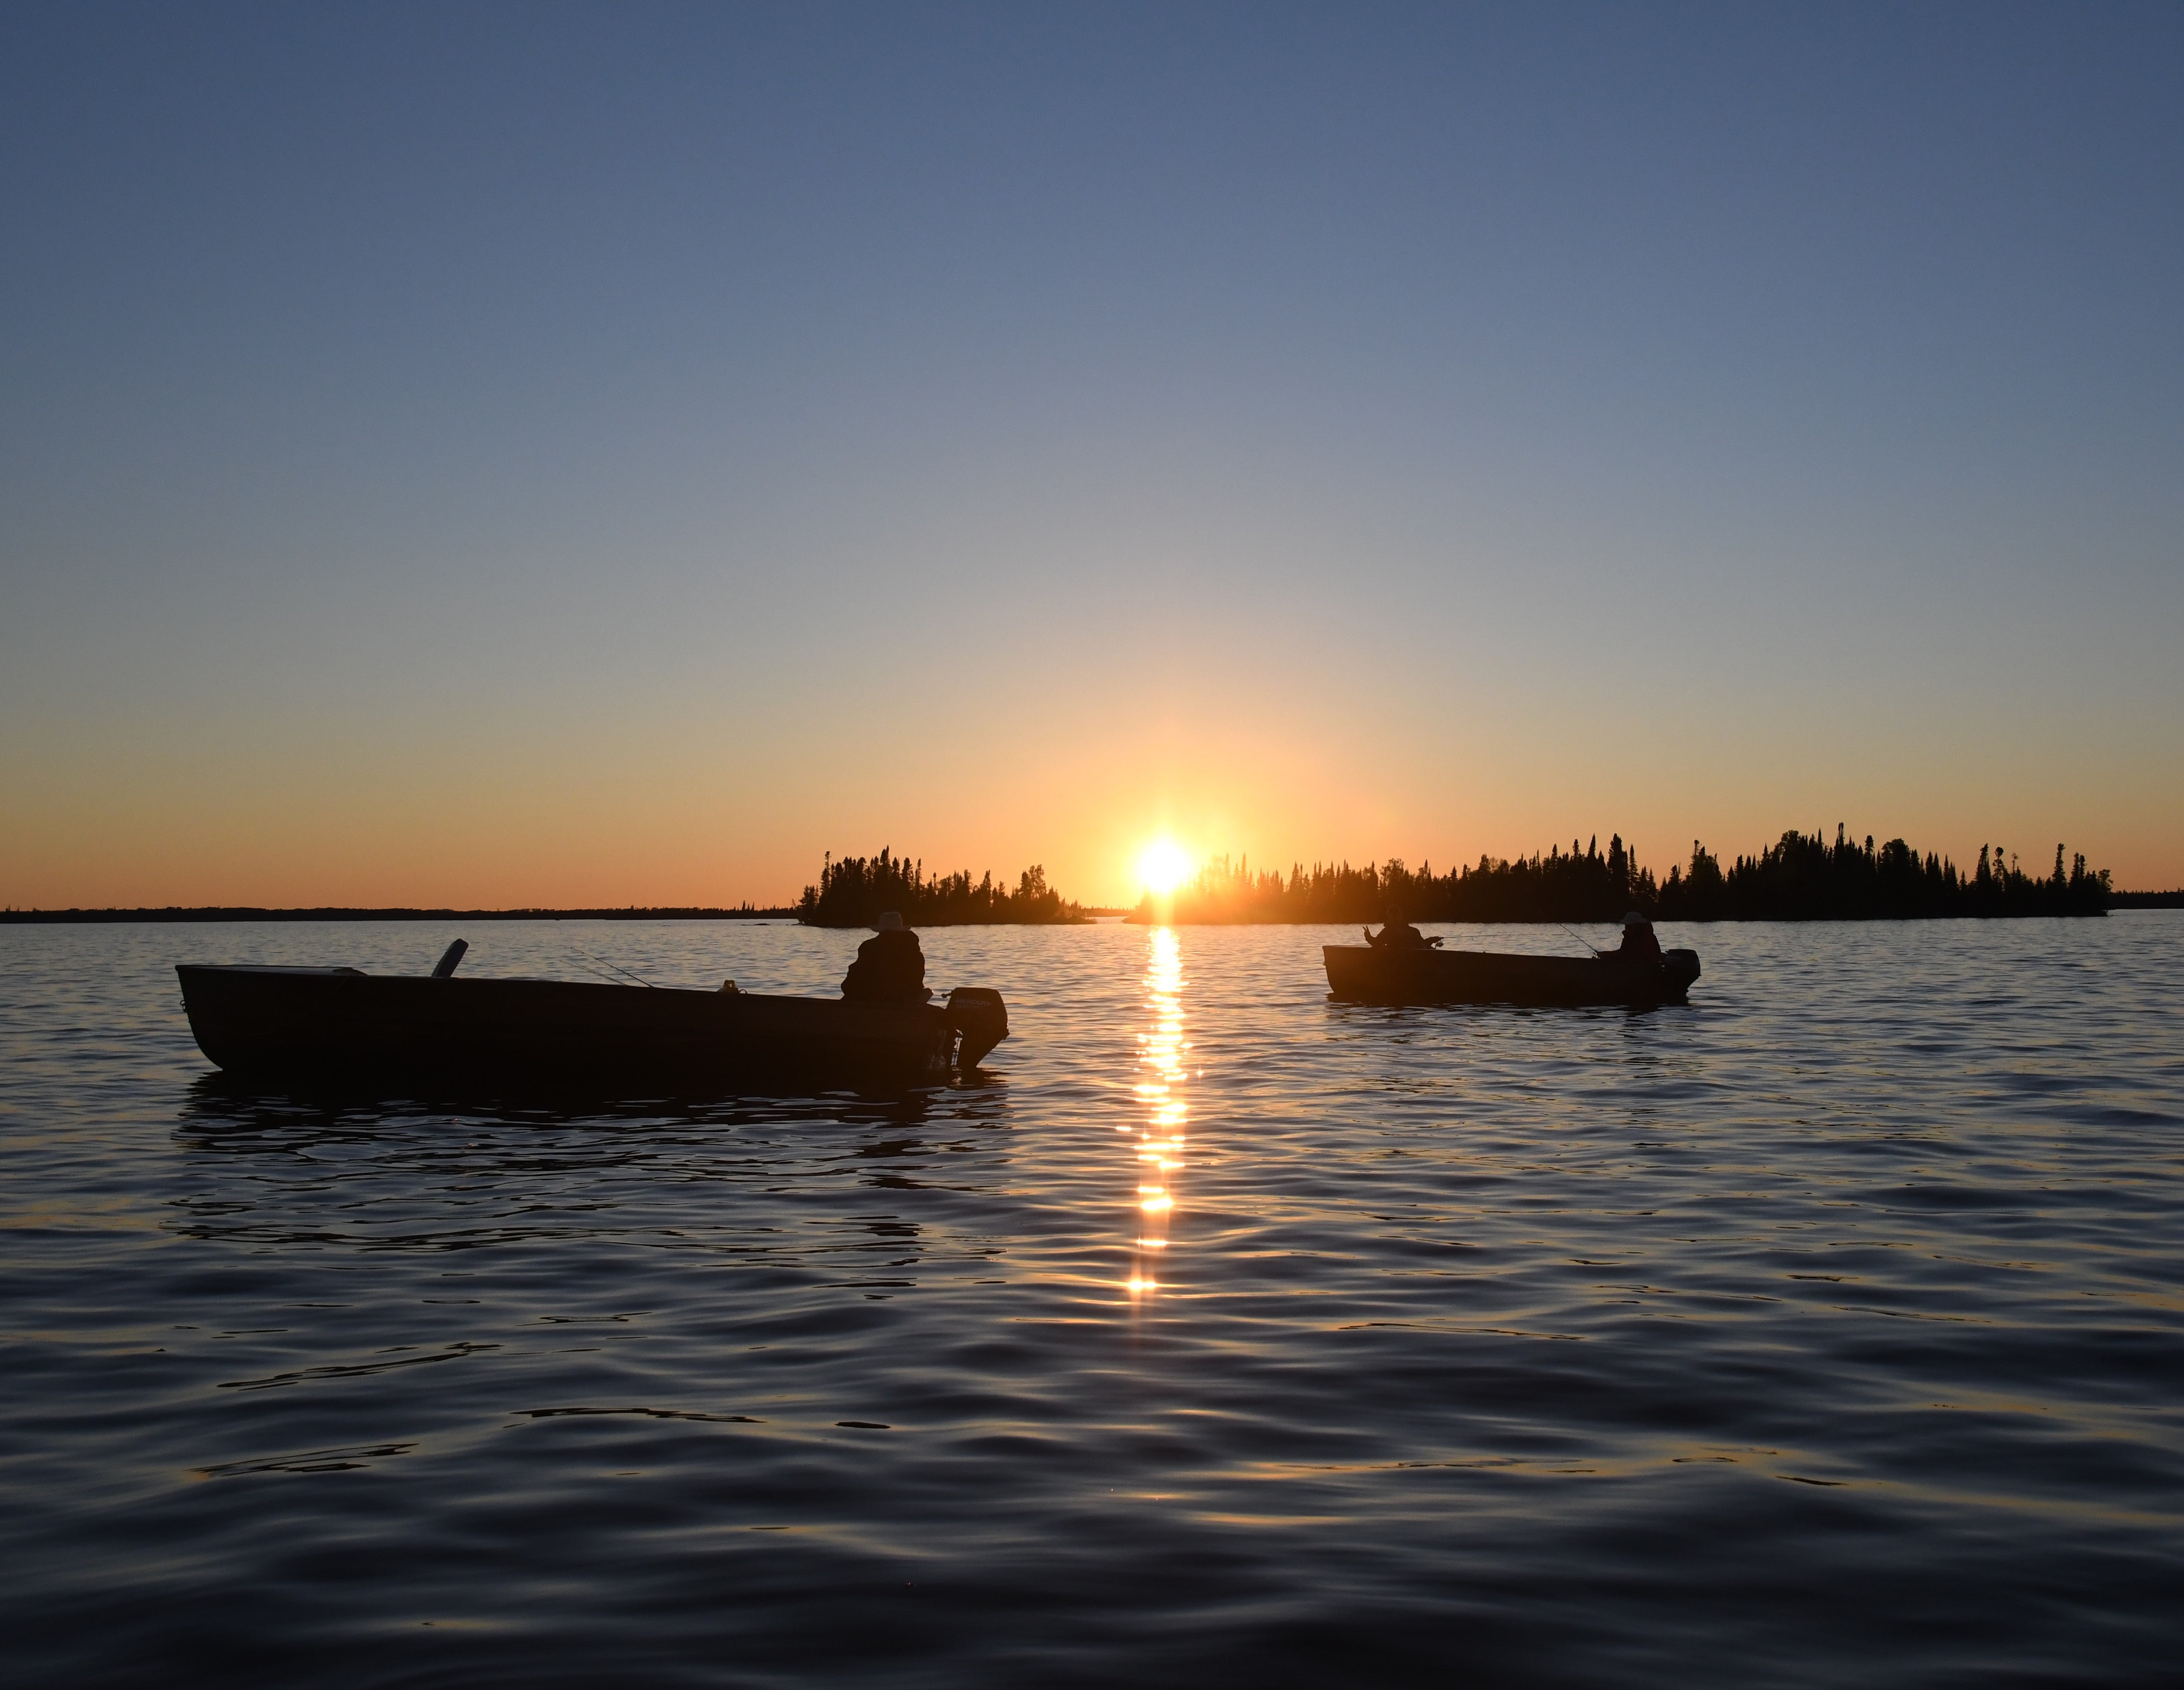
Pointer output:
1161, 1136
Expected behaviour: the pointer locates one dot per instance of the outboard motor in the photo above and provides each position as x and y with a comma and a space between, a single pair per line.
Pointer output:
977, 1013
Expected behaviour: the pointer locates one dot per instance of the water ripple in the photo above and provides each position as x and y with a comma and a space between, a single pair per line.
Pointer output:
1827, 1329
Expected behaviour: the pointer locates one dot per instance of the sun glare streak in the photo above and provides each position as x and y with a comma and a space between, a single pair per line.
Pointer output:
1160, 1138
1163, 867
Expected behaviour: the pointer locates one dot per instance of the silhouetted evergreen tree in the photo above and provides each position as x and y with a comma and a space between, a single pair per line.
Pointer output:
854, 891
1802, 877
1799, 878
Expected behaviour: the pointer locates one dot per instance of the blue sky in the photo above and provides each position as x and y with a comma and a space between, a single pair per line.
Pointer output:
519, 454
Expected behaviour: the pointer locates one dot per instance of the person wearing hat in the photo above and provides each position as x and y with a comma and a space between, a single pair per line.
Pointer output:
890, 968
1639, 944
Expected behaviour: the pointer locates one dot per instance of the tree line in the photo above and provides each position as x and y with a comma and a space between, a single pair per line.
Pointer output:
746, 911
1800, 877
853, 891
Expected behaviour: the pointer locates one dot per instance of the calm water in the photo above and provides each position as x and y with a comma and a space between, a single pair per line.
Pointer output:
1829, 1331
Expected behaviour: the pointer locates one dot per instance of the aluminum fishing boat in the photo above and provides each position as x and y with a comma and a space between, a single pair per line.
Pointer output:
1370, 974
343, 1025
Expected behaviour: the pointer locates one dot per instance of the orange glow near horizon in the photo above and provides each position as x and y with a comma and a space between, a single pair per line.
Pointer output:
634, 812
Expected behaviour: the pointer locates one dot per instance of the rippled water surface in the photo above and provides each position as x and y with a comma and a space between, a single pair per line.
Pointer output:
1829, 1331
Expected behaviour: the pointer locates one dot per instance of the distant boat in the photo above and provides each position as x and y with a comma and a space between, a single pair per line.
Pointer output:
342, 1025
1369, 975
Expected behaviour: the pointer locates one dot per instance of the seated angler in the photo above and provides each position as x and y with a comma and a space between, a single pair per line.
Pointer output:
1396, 935
1639, 944
890, 968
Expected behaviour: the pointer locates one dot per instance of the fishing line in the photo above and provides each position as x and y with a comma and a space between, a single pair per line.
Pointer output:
616, 967
1574, 934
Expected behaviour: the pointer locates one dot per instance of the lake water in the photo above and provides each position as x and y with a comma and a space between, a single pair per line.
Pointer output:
1829, 1331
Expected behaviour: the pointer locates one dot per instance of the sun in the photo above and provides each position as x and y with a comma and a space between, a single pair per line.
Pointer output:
1163, 867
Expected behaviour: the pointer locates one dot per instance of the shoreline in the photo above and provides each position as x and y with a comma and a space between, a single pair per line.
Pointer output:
42, 918
2119, 902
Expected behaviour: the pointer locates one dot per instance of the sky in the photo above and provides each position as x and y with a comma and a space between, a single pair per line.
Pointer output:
533, 455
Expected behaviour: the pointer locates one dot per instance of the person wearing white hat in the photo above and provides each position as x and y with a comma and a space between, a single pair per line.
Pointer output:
890, 966
1639, 944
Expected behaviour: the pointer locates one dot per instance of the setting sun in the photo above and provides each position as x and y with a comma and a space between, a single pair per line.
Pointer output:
1163, 867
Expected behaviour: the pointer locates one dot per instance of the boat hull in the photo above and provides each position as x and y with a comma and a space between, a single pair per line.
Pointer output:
1361, 973
340, 1026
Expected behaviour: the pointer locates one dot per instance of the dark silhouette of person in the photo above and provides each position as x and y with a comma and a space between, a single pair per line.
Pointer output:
1639, 944
1397, 935
890, 968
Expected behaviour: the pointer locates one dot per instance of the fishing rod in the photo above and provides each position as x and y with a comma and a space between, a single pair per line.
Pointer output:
616, 967
1580, 937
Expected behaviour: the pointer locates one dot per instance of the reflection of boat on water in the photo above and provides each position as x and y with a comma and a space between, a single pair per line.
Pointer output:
342, 1024
1365, 975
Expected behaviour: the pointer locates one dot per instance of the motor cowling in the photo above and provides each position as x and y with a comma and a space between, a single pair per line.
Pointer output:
978, 1014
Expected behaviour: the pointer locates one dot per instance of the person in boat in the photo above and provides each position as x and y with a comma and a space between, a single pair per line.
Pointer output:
1639, 944
1396, 935
890, 968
